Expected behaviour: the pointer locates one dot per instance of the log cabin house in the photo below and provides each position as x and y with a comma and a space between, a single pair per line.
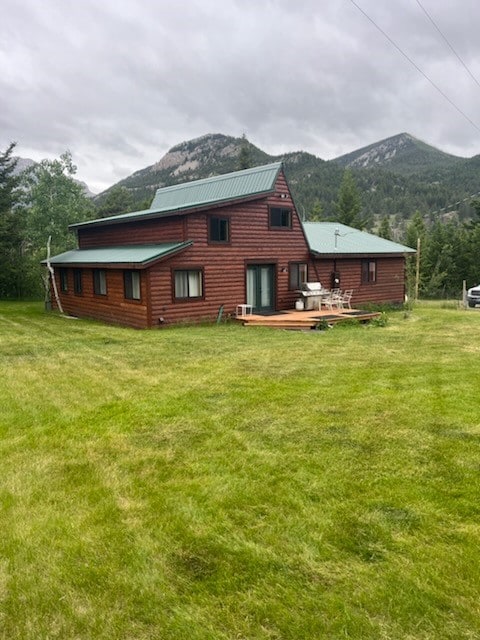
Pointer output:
211, 244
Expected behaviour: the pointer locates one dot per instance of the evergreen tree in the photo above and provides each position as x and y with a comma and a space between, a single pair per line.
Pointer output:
384, 230
245, 156
316, 214
118, 200
349, 205
11, 227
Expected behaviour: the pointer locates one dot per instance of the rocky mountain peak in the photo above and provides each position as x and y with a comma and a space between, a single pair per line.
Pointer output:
188, 156
403, 152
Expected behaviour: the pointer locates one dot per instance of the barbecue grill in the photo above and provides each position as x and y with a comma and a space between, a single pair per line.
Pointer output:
311, 293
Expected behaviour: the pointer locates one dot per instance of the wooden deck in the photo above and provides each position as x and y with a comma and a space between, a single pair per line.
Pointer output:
305, 320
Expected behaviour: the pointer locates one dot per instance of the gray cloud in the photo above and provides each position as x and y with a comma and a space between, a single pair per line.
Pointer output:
121, 81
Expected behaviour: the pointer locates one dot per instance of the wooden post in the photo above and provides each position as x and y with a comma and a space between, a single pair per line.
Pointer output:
52, 274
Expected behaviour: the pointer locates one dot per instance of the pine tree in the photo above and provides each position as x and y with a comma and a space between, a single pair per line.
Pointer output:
349, 205
384, 230
245, 156
316, 215
11, 227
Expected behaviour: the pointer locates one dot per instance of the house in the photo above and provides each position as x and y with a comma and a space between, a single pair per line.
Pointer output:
209, 245
348, 258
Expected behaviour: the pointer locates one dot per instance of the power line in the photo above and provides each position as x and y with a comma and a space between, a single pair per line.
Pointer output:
434, 85
449, 207
448, 43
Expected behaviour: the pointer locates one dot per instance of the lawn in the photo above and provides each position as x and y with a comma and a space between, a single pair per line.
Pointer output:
222, 482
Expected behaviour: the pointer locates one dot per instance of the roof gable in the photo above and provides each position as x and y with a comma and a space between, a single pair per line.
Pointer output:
335, 238
220, 189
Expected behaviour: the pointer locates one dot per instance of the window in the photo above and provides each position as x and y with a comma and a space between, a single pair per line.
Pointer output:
77, 282
63, 279
131, 285
281, 218
100, 282
188, 283
298, 272
369, 270
219, 229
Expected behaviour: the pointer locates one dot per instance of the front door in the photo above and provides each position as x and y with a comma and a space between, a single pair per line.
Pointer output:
260, 287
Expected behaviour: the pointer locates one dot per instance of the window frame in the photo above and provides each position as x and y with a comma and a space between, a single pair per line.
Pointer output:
282, 211
63, 276
188, 270
221, 220
295, 280
99, 279
129, 287
369, 274
78, 282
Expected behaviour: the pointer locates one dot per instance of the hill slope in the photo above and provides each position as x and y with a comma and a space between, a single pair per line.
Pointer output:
395, 176
401, 154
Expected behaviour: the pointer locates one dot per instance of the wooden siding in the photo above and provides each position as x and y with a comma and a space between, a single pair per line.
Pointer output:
388, 288
113, 307
140, 232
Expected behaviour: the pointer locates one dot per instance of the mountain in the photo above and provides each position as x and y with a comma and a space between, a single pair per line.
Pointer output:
214, 154
25, 163
209, 155
402, 154
395, 177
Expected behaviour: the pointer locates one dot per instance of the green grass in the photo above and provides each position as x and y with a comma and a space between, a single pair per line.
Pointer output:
222, 482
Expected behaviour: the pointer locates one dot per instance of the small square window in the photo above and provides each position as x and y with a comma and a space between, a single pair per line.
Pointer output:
280, 218
219, 229
131, 282
100, 282
188, 283
298, 274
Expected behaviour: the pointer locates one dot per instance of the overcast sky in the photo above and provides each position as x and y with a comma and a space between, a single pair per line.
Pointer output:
119, 82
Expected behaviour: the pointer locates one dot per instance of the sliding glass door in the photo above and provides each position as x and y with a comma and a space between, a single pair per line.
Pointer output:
260, 287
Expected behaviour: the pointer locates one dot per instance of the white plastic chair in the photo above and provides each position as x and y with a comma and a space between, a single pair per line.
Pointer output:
344, 300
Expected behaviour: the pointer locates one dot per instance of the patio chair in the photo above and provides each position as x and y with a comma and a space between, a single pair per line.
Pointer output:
332, 300
344, 300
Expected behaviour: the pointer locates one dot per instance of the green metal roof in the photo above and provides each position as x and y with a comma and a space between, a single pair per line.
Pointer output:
335, 238
139, 255
200, 193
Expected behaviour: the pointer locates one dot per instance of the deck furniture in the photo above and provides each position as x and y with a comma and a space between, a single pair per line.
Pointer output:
344, 300
244, 310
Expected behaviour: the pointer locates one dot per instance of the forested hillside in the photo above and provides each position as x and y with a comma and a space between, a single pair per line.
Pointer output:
430, 202
395, 177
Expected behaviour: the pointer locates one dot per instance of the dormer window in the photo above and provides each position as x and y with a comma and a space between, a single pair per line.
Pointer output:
218, 229
280, 218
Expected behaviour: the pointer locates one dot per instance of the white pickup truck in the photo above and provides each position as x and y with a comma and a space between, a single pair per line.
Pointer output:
473, 296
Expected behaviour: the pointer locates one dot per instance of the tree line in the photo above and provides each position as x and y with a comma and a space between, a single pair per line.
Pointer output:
36, 205
43, 201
